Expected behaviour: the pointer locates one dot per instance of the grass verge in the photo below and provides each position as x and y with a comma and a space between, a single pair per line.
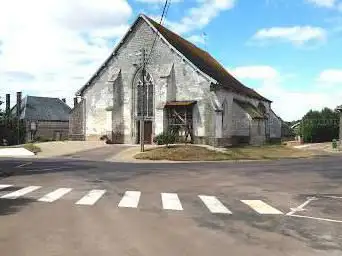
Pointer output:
32, 147
197, 153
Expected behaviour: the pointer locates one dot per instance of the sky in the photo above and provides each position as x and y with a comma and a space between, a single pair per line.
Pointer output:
290, 51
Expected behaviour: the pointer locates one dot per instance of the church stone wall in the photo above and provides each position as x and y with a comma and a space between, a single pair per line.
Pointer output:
275, 126
190, 85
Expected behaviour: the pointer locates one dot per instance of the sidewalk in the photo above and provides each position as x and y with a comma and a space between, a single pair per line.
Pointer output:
61, 148
15, 152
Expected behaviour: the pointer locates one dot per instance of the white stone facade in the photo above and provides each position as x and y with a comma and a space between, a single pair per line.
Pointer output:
110, 98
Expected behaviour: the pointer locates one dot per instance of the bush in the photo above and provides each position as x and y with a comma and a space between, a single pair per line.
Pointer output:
32, 147
165, 138
104, 137
320, 126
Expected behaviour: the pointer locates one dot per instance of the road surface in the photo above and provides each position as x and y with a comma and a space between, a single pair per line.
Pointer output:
77, 207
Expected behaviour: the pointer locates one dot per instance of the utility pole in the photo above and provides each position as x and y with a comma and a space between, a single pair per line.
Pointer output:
142, 120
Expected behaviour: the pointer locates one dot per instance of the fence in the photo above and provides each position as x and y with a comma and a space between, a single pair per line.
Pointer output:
12, 131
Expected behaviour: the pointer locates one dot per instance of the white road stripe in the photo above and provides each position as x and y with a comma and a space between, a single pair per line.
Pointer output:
261, 207
130, 199
5, 186
214, 205
55, 195
21, 192
171, 202
92, 197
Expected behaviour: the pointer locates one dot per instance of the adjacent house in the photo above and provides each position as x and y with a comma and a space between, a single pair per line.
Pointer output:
182, 87
44, 118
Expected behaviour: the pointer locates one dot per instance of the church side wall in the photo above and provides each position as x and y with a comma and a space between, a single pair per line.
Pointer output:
275, 127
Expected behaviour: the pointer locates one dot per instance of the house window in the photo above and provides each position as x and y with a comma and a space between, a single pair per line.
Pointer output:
144, 95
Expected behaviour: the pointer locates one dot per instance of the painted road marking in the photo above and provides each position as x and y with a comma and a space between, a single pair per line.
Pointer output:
92, 197
171, 201
315, 218
130, 199
24, 164
21, 192
214, 205
301, 207
55, 195
5, 186
261, 207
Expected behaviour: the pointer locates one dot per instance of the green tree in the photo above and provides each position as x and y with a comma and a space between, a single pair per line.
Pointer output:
2, 113
320, 126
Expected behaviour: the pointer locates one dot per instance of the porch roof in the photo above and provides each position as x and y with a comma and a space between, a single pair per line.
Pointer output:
185, 103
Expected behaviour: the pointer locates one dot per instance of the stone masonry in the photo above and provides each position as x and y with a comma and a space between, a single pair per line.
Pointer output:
109, 103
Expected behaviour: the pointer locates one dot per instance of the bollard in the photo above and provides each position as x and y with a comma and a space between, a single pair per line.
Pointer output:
334, 144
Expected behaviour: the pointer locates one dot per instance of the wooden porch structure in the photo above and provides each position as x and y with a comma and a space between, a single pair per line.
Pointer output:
180, 119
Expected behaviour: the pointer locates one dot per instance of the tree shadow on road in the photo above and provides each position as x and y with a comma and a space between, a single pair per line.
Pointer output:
8, 206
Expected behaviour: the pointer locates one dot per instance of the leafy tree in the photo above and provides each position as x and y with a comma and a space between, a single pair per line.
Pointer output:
320, 126
1, 111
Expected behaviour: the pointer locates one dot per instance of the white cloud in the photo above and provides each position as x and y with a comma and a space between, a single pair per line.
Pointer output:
255, 72
59, 43
331, 76
296, 35
196, 39
200, 16
323, 3
290, 103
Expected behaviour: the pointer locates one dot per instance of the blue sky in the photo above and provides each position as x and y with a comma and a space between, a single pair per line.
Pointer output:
288, 50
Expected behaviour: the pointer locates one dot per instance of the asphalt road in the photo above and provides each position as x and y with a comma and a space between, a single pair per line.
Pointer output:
298, 212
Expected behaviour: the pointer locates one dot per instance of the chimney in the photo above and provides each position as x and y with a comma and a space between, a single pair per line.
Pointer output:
64, 100
75, 102
18, 103
8, 104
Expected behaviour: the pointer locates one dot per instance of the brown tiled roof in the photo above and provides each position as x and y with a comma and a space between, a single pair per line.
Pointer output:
205, 62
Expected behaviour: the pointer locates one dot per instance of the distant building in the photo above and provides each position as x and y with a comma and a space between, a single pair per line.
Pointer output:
183, 86
44, 118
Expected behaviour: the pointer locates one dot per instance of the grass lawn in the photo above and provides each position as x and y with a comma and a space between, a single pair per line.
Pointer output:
32, 147
197, 153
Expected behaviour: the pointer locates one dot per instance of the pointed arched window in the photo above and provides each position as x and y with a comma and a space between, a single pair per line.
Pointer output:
144, 95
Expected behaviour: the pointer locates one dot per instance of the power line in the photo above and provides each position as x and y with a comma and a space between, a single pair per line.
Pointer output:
165, 9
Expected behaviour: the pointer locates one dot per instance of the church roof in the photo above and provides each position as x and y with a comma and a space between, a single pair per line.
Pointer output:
198, 57
205, 62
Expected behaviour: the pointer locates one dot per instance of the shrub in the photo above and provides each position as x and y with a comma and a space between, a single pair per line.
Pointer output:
104, 137
165, 138
42, 139
32, 147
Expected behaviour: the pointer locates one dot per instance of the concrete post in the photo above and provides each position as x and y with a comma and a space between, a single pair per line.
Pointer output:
8, 104
18, 104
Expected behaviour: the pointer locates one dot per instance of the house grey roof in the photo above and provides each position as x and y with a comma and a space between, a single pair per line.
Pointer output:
43, 109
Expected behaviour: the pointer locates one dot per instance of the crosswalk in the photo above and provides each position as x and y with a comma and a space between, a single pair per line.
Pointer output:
131, 199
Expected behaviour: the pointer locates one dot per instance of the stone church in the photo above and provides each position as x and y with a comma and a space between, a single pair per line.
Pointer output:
184, 87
